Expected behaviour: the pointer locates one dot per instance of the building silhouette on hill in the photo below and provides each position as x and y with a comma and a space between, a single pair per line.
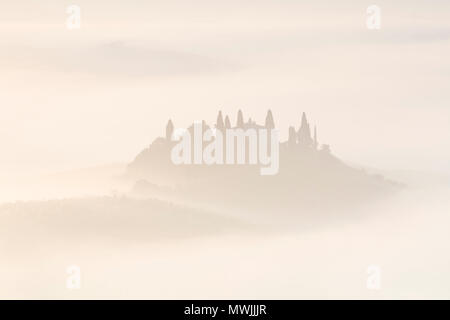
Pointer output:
302, 146
309, 175
300, 138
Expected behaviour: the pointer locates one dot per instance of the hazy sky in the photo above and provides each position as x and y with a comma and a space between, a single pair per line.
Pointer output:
101, 94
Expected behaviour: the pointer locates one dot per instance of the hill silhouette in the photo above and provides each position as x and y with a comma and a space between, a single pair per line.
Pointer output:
310, 176
117, 220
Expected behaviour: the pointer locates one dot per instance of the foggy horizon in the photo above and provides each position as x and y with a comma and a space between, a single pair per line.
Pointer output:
93, 204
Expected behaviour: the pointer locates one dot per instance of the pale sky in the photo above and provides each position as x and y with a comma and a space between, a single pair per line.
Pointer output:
99, 95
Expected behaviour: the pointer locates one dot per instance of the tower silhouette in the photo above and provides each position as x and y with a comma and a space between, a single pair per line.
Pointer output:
240, 120
269, 120
304, 133
219, 123
292, 139
316, 143
227, 122
169, 130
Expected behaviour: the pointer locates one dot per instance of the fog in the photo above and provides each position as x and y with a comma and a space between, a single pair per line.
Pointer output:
213, 256
83, 113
